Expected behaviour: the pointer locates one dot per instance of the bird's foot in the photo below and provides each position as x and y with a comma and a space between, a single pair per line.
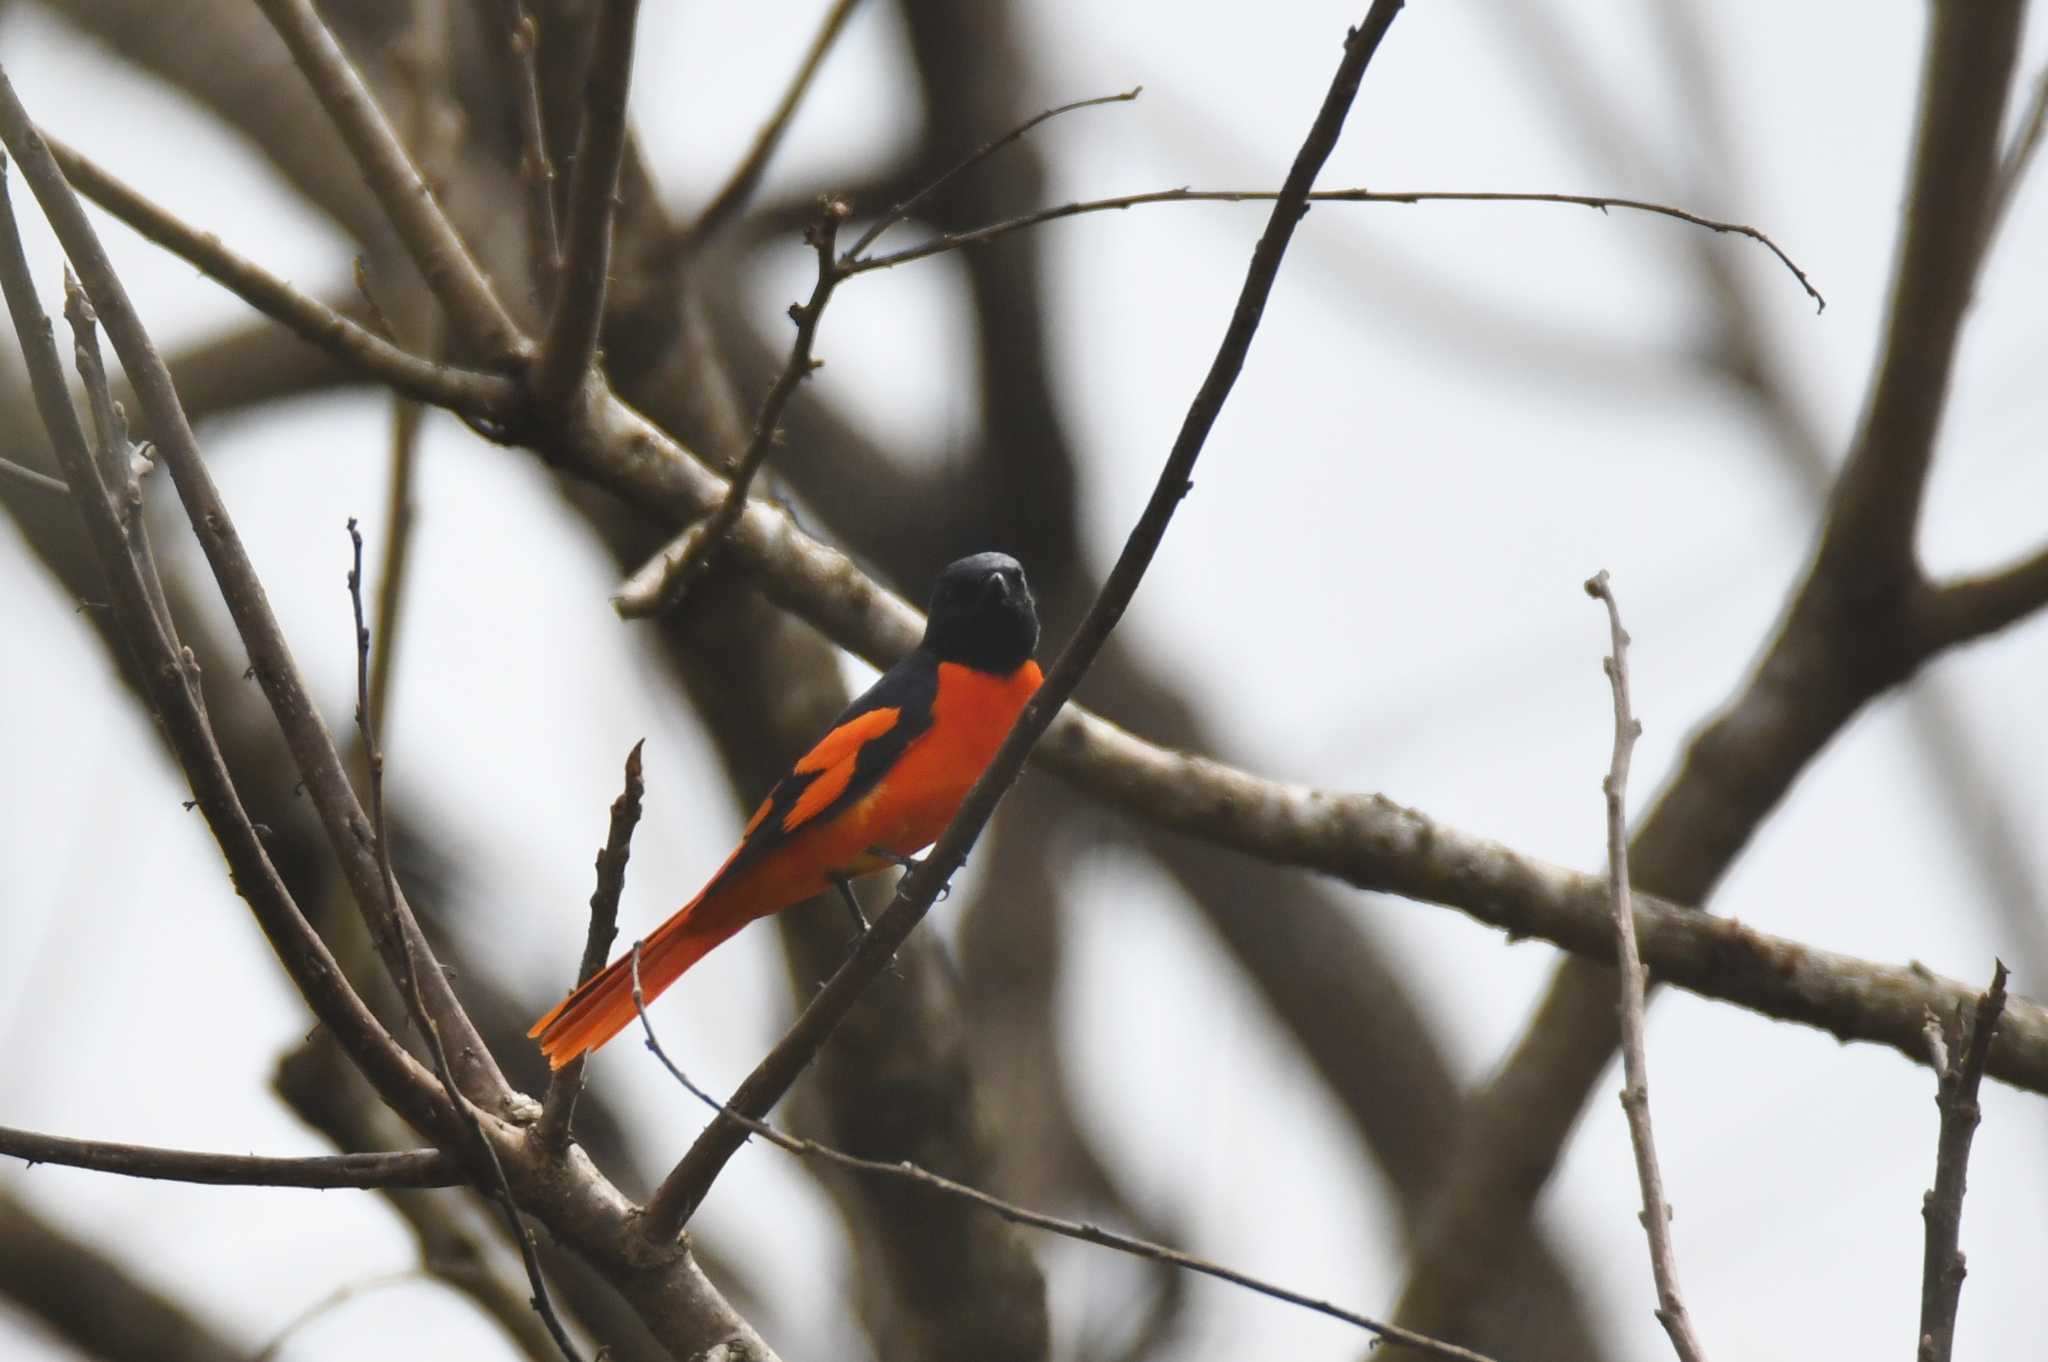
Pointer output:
907, 864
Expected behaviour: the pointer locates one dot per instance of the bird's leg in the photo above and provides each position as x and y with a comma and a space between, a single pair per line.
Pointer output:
907, 864
845, 886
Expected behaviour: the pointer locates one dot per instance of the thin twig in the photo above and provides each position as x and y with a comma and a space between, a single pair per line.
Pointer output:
1635, 1094
2012, 167
406, 419
407, 199
746, 177
536, 170
660, 583
683, 1190
552, 1131
974, 158
111, 449
483, 396
399, 1168
948, 241
570, 345
341, 1295
906, 1171
28, 477
1967, 1046
499, 1188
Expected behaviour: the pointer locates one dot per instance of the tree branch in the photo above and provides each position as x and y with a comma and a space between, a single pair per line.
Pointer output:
312, 747
407, 199
1971, 607
499, 1187
746, 176
948, 241
660, 583
1959, 1063
570, 346
169, 673
552, 1131
401, 1168
906, 1171
481, 396
974, 158
1635, 1094
536, 170
680, 1194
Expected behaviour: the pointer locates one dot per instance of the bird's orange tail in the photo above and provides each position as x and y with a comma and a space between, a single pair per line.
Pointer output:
603, 1006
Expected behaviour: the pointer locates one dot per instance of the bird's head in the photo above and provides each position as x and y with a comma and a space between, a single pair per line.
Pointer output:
982, 614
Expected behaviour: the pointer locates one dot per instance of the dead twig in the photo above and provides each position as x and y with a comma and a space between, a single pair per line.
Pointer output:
746, 176
972, 159
949, 241
1959, 1062
400, 1168
499, 1187
552, 1131
906, 1171
536, 170
683, 1190
660, 583
1635, 1093
569, 347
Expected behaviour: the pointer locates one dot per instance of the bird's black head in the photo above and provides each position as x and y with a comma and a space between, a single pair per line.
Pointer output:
982, 614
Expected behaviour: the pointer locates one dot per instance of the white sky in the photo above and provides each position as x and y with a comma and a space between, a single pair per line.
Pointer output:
1423, 502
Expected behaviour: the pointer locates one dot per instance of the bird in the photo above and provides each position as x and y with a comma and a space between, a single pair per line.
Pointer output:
880, 786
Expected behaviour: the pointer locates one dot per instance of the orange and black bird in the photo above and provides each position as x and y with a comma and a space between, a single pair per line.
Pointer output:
880, 786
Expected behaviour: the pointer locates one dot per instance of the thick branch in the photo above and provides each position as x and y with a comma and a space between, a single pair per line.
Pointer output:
401, 1168
680, 1194
483, 396
408, 201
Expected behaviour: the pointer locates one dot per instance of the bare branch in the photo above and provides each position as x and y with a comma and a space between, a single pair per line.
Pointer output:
975, 158
559, 1106
484, 396
1635, 1093
407, 199
401, 1168
570, 345
948, 241
683, 1190
28, 477
270, 655
906, 1171
661, 583
499, 1187
1968, 1043
536, 170
746, 176
2013, 166
95, 1304
169, 673
1972, 607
